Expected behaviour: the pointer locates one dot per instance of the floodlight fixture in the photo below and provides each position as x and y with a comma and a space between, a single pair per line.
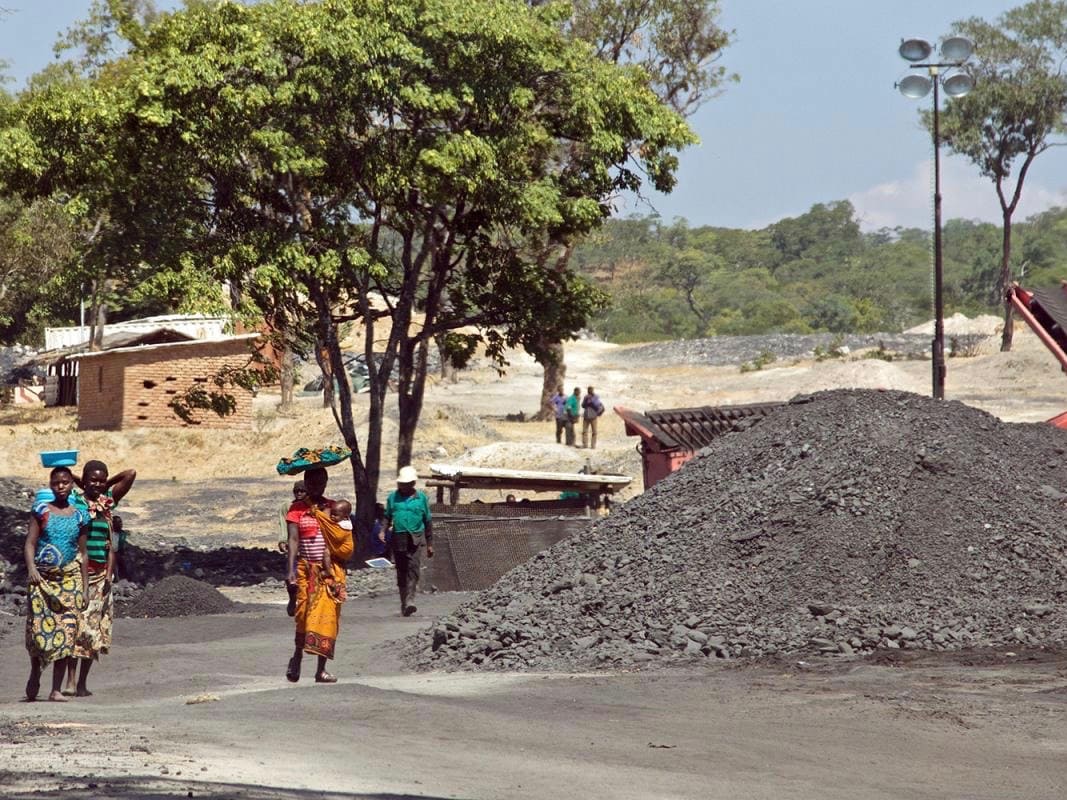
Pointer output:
915, 49
958, 85
915, 86
956, 49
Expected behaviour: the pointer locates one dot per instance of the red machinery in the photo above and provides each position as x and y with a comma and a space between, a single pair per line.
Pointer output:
672, 436
1045, 311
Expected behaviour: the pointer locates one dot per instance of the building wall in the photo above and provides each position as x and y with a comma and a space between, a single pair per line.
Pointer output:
132, 389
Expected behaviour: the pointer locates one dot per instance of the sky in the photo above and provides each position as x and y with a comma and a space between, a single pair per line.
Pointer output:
815, 117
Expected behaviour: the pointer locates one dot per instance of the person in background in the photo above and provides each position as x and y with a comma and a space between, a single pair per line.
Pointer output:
592, 408
56, 569
407, 517
573, 405
559, 405
99, 495
299, 496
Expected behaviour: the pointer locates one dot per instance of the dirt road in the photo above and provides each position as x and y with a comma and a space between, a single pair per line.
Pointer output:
199, 708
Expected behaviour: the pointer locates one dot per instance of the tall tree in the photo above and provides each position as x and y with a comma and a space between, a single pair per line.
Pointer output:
678, 45
36, 241
1017, 110
356, 160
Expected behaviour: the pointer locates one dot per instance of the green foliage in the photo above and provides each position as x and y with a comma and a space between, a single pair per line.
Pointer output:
345, 161
833, 350
765, 358
1016, 111
36, 241
673, 281
677, 43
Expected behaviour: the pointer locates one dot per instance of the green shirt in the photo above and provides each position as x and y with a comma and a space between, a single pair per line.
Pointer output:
99, 541
572, 406
407, 514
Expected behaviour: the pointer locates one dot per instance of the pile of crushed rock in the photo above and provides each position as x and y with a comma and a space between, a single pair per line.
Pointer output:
845, 522
726, 350
178, 596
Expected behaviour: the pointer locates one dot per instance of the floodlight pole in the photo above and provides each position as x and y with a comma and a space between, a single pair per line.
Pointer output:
939, 297
957, 49
938, 344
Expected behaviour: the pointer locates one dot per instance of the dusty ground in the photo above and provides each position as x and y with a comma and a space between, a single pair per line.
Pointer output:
977, 726
198, 707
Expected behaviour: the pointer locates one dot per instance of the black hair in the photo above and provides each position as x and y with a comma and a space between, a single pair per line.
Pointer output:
94, 466
58, 470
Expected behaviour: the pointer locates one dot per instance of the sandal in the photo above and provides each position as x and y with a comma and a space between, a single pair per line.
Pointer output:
292, 674
325, 677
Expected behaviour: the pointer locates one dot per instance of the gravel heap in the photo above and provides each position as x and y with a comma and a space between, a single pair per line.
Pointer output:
847, 521
178, 596
726, 350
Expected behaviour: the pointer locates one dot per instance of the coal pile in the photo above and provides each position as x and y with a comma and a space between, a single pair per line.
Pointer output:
178, 596
846, 522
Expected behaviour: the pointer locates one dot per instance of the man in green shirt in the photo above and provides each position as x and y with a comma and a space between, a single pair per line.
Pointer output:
573, 404
407, 518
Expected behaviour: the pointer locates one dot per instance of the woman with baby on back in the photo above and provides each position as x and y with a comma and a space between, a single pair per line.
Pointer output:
320, 543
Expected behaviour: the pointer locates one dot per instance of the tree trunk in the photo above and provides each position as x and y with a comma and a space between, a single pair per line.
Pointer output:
555, 371
1005, 282
97, 316
287, 378
365, 488
412, 383
322, 357
448, 371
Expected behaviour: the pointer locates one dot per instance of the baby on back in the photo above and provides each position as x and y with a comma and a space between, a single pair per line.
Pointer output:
341, 513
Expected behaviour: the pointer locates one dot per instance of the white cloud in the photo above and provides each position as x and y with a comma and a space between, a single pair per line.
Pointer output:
964, 194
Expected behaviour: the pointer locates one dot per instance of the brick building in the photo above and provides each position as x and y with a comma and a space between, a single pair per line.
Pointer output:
130, 387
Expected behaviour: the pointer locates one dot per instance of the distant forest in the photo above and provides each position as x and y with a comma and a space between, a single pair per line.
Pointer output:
817, 272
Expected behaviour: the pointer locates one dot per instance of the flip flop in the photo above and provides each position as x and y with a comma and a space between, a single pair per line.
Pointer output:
325, 677
292, 674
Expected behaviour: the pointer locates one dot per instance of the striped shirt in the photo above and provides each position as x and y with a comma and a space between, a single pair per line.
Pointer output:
311, 544
98, 544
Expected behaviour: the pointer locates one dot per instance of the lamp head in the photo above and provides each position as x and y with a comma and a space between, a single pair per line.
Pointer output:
957, 49
958, 85
915, 86
915, 49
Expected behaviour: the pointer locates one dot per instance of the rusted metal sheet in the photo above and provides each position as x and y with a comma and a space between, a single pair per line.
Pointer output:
470, 554
672, 436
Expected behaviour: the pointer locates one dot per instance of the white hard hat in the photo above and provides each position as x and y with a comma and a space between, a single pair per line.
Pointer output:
407, 475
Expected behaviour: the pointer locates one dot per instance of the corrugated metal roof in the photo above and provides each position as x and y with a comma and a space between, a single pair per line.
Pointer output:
690, 428
1054, 302
162, 345
490, 478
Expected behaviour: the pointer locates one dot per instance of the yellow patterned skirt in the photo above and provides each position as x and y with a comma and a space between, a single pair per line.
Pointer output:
54, 615
94, 637
318, 607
